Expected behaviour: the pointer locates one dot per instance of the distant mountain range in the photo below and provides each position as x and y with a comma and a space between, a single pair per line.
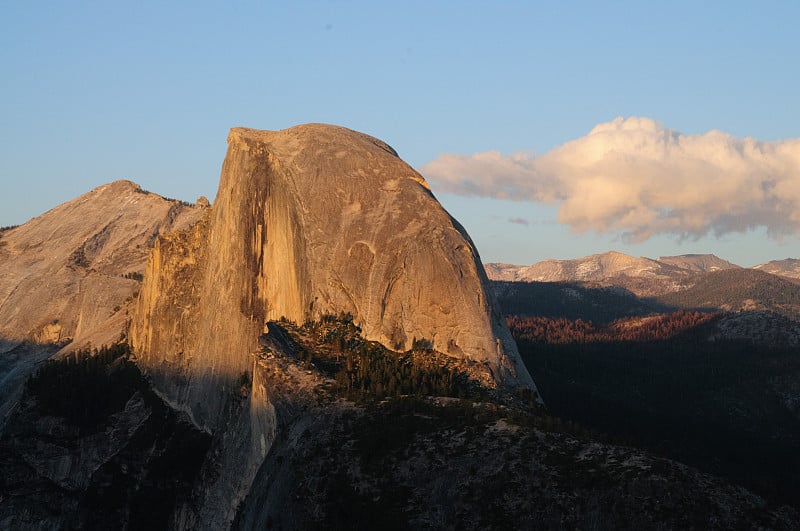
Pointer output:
738, 290
611, 285
598, 267
790, 267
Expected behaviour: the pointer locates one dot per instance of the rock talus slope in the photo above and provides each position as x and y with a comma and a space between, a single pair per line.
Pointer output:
308, 221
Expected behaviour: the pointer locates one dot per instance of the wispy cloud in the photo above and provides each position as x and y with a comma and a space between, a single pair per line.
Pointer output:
634, 177
519, 221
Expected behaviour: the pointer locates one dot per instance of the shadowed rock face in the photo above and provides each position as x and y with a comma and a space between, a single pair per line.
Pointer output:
308, 221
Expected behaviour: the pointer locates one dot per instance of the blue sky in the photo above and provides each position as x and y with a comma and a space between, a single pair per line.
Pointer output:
92, 92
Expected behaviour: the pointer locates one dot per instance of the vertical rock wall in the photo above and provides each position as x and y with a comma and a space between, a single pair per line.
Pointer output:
308, 221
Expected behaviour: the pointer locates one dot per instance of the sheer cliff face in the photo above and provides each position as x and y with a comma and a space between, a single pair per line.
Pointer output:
309, 221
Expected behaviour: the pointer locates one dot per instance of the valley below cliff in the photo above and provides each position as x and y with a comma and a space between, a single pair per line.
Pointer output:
350, 450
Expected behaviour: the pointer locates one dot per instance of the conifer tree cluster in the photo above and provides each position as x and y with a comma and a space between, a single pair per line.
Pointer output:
362, 368
86, 386
562, 330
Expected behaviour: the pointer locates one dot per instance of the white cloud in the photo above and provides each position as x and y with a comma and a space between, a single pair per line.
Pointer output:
632, 176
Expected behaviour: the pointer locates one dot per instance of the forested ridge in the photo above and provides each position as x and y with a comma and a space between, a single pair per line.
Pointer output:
652, 328
737, 289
